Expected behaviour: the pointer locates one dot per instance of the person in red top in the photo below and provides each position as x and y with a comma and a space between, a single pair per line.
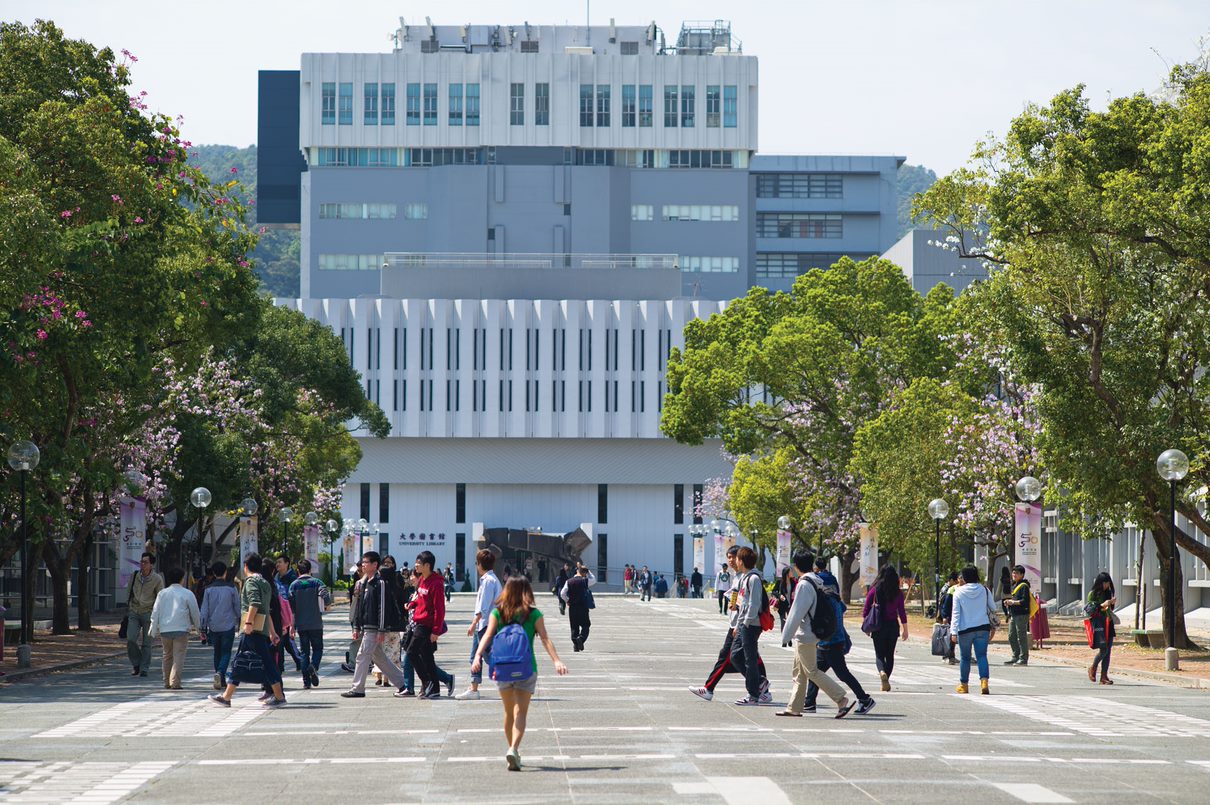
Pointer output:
428, 623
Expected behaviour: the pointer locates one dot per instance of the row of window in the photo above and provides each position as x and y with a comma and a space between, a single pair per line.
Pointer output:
709, 265
799, 185
799, 225
791, 264
418, 211
462, 105
429, 157
532, 395
768, 265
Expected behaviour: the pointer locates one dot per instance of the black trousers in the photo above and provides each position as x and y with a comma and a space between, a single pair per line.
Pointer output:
722, 602
884, 647
746, 656
832, 658
578, 617
420, 650
724, 666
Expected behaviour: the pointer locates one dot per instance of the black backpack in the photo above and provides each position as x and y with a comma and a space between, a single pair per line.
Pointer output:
823, 619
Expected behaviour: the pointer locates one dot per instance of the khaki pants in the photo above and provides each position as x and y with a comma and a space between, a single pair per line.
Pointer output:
174, 658
806, 670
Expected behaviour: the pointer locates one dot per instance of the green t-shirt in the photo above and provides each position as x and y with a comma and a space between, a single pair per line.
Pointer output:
529, 625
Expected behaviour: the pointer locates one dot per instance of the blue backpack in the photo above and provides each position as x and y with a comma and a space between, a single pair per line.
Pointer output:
511, 655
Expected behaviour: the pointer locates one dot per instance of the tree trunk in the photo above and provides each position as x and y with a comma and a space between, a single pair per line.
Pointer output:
60, 576
1140, 590
848, 577
1160, 525
84, 586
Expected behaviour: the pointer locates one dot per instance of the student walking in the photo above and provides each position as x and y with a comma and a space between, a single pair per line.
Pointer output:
310, 599
695, 583
745, 653
884, 602
579, 601
945, 613
174, 613
645, 582
798, 631
145, 586
725, 663
376, 617
783, 591
972, 627
830, 653
556, 586
395, 589
627, 580
485, 600
220, 618
515, 622
428, 623
1017, 604
1098, 607
722, 587
256, 598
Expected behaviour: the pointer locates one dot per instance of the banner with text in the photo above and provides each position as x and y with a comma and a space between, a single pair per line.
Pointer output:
247, 539
868, 553
699, 555
783, 550
311, 546
720, 554
1029, 542
133, 539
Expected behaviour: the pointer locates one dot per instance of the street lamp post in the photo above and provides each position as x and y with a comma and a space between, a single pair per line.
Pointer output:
200, 498
1172, 465
23, 457
938, 510
331, 528
285, 514
1028, 489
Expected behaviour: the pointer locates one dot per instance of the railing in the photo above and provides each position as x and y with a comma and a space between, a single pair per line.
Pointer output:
573, 260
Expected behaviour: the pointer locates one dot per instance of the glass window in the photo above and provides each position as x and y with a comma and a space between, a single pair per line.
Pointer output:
799, 185
641, 212
542, 104
700, 212
357, 157
645, 105
370, 104
350, 262
328, 110
791, 264
710, 265
687, 103
603, 105
417, 211
628, 106
455, 105
346, 104
670, 110
472, 104
799, 225
713, 106
730, 107
585, 105
355, 210
430, 104
413, 108
516, 105
388, 104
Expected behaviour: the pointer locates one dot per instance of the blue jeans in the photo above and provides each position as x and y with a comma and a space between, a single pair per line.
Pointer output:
311, 647
409, 673
477, 678
222, 642
977, 640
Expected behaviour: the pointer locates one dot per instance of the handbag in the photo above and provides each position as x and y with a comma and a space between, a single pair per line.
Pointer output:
873, 618
588, 597
247, 666
1091, 632
941, 639
124, 626
993, 617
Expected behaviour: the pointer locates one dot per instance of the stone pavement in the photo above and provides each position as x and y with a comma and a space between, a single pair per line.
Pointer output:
620, 727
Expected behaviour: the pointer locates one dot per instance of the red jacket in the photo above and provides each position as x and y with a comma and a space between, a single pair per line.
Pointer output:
428, 606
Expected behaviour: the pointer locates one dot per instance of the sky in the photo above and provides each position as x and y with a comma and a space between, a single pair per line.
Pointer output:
922, 79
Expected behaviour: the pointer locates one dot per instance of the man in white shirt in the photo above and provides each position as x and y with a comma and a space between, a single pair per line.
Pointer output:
579, 600
174, 613
722, 586
489, 590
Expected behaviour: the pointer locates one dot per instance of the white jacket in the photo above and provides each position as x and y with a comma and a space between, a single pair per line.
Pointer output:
175, 610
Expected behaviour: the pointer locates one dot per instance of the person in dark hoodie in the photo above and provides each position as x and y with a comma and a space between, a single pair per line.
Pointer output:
1016, 603
377, 616
830, 653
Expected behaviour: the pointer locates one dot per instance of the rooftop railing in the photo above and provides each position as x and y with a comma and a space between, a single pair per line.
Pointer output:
565, 260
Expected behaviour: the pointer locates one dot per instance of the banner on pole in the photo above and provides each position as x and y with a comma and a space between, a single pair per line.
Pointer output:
311, 546
367, 542
347, 545
868, 553
720, 553
247, 538
1029, 542
133, 539
783, 550
699, 556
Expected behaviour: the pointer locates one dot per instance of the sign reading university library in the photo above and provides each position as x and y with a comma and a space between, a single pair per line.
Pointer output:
423, 540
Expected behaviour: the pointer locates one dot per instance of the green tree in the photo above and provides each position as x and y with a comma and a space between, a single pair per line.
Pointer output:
913, 180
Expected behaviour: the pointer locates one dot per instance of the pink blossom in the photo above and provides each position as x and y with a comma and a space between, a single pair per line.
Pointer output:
42, 335
65, 214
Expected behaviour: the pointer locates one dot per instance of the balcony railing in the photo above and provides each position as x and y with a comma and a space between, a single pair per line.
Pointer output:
565, 260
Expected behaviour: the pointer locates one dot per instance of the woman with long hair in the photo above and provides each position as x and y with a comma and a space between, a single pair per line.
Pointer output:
886, 597
1099, 609
783, 592
515, 606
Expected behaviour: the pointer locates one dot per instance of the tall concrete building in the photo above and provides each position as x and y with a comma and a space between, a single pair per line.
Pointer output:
510, 226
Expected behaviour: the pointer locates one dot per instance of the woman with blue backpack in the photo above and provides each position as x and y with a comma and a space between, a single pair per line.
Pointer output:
511, 629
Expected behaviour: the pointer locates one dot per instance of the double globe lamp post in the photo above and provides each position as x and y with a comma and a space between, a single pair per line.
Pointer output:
23, 458
1173, 466
938, 510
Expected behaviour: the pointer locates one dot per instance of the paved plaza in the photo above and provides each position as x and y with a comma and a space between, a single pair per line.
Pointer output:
621, 727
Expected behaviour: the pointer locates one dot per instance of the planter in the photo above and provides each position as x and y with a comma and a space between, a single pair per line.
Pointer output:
1148, 638
1156, 638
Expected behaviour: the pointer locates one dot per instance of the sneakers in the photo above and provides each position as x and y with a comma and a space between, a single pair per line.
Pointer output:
747, 701
865, 707
314, 678
219, 700
844, 706
404, 693
264, 697
468, 695
764, 686
135, 672
1013, 661
766, 697
449, 687
513, 758
218, 681
306, 683
353, 694
273, 703
702, 693
886, 681
348, 669
808, 708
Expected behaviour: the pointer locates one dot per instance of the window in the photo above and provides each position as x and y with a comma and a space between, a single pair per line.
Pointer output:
710, 265
585, 105
455, 105
790, 265
799, 225
730, 107
529, 46
429, 157
645, 106
602, 557
413, 107
541, 104
670, 110
636, 158
713, 106
628, 106
678, 504
701, 212
602, 503
641, 212
629, 48
472, 104
365, 501
388, 104
430, 104
328, 109
346, 104
594, 156
799, 185
370, 104
682, 158
350, 262
687, 103
603, 105
363, 211
516, 105
678, 556
384, 503
416, 211
698, 491
358, 157
460, 555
